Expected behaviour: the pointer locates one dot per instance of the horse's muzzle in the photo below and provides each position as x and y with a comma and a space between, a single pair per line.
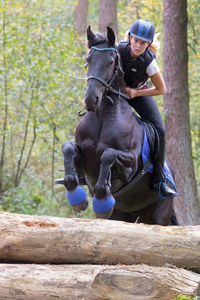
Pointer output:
91, 105
93, 95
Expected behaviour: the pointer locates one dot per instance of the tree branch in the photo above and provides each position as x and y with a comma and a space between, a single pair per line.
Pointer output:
17, 176
29, 153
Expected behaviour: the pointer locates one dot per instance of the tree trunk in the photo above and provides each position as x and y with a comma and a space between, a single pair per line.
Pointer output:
42, 239
5, 100
108, 15
95, 282
80, 16
176, 100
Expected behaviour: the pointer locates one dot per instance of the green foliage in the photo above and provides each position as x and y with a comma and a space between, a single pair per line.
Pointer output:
130, 10
32, 196
93, 11
183, 297
41, 54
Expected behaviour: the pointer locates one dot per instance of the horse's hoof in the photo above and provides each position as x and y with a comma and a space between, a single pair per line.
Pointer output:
77, 198
105, 215
104, 205
82, 206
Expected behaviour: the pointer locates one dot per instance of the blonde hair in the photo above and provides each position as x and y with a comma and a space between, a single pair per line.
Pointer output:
154, 46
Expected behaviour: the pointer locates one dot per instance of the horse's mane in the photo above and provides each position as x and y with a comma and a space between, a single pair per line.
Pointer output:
99, 38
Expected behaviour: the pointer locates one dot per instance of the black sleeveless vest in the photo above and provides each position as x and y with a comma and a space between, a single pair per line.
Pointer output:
135, 70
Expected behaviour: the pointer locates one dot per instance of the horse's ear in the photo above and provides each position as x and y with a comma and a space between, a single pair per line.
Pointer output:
90, 35
110, 36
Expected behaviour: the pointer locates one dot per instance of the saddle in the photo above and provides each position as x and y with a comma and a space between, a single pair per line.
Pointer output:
150, 149
151, 143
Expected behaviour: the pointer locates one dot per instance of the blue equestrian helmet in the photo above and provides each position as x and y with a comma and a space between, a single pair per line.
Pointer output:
142, 29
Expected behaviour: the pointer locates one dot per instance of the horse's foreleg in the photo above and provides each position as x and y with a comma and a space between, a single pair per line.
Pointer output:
76, 195
103, 201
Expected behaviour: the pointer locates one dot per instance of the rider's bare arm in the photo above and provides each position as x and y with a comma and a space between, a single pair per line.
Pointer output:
158, 88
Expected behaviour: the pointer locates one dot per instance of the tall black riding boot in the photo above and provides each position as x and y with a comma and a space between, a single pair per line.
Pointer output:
159, 177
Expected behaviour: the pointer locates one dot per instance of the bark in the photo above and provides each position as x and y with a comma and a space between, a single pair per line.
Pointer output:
42, 239
96, 282
108, 15
179, 151
5, 118
80, 16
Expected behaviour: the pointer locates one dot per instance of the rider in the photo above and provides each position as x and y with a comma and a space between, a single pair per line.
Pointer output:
139, 64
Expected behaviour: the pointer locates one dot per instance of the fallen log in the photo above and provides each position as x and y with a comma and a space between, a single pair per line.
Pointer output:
96, 282
43, 239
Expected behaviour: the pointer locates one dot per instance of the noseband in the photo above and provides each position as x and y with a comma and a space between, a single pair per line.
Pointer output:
108, 85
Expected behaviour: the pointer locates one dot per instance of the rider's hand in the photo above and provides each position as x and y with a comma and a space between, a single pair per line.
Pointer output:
130, 92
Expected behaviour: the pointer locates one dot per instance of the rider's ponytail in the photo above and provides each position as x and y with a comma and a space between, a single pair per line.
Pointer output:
155, 45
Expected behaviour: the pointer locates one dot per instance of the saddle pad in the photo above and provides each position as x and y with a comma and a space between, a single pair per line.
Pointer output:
146, 154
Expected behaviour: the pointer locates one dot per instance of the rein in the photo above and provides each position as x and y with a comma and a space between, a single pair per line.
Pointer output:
108, 85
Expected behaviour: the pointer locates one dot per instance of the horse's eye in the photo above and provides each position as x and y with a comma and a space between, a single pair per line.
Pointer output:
110, 61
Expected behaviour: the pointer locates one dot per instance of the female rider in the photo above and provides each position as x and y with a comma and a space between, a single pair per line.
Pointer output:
139, 64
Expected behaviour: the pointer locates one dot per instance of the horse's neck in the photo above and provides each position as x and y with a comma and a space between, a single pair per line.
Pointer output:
118, 109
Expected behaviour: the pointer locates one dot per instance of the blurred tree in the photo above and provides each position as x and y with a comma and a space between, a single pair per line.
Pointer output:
4, 112
80, 16
176, 104
108, 15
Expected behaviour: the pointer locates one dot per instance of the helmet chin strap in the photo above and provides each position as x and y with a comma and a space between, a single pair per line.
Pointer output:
129, 42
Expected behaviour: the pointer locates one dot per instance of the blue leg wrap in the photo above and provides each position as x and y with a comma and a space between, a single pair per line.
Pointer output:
104, 205
76, 196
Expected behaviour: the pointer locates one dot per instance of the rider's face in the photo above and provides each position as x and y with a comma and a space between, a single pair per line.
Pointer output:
138, 46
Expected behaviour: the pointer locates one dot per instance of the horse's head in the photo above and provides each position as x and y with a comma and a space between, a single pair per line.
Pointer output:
103, 66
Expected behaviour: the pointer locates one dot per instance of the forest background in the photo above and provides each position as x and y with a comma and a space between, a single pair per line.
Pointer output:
42, 74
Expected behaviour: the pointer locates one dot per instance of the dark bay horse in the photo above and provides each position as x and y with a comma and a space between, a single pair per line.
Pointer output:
108, 146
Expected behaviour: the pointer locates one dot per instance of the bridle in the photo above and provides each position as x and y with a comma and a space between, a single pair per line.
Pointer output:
108, 85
